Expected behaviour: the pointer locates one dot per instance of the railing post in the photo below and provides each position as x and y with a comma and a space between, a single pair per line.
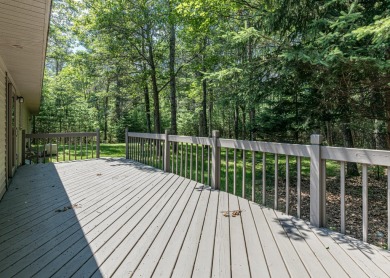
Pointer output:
167, 152
216, 161
97, 143
23, 147
127, 142
317, 187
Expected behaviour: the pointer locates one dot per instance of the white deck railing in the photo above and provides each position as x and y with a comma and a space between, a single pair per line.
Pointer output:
162, 151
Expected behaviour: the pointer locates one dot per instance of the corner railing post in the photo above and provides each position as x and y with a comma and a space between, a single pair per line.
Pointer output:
97, 143
166, 152
127, 142
216, 161
23, 147
317, 187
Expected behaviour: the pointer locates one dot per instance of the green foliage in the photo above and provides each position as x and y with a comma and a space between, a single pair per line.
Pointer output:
268, 70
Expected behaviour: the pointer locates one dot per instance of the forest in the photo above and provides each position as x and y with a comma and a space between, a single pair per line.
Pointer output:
270, 70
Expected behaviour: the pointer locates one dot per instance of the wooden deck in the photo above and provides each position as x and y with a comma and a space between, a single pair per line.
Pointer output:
129, 219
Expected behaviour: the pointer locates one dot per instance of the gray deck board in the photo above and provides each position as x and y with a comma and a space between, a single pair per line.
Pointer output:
135, 220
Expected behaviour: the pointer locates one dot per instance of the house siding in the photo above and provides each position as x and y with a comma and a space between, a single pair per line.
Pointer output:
22, 122
3, 129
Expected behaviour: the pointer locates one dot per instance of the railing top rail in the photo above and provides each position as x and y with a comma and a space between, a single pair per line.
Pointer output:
58, 135
364, 156
279, 148
146, 135
191, 140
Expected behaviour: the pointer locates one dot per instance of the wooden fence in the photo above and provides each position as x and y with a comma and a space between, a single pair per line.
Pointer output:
38, 148
162, 151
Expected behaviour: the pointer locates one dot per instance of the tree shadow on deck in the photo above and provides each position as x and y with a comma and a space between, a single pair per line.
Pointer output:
41, 232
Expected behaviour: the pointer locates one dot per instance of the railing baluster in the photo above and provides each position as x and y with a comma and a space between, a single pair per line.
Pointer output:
202, 159
69, 148
92, 147
253, 175
173, 156
81, 147
181, 159
185, 164
235, 172
37, 150
227, 170
208, 166
196, 162
287, 184
86, 145
276, 181
264, 177
342, 197
57, 148
51, 151
191, 155
177, 157
243, 172
44, 151
388, 208
299, 168
75, 143
365, 202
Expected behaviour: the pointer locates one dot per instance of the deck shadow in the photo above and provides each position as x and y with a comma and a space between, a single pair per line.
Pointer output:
40, 231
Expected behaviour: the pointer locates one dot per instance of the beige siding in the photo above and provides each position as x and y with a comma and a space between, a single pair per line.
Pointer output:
2, 129
22, 122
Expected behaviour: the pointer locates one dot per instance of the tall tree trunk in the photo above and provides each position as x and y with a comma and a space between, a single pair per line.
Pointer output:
146, 88
153, 72
387, 95
106, 112
243, 130
172, 76
236, 115
210, 112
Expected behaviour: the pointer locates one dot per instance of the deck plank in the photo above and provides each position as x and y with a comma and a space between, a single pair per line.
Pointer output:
138, 221
186, 259
291, 258
104, 202
154, 252
42, 244
168, 259
89, 231
221, 259
341, 257
319, 251
272, 254
256, 258
239, 258
204, 257
309, 259
165, 219
112, 229
111, 248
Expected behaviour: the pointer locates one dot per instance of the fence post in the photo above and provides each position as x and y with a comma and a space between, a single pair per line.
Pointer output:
317, 187
97, 143
23, 147
167, 156
127, 142
216, 161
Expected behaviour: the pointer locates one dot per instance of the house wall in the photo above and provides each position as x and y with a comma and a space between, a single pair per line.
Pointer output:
3, 128
22, 122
